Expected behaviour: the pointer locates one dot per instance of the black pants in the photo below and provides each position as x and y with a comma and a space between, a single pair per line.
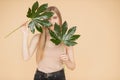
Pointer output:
58, 75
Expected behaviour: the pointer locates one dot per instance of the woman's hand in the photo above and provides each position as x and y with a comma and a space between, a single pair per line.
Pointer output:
64, 58
68, 58
25, 29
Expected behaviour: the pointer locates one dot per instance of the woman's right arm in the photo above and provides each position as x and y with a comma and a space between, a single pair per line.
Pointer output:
28, 49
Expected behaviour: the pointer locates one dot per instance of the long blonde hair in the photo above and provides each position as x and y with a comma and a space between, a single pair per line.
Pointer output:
43, 36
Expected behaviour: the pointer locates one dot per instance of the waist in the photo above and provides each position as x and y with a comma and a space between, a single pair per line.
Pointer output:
50, 74
48, 68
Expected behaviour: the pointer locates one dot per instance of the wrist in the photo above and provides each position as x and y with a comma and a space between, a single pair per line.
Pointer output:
25, 34
66, 61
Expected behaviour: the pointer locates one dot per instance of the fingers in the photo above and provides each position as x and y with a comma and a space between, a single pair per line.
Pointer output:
64, 57
24, 27
25, 31
25, 24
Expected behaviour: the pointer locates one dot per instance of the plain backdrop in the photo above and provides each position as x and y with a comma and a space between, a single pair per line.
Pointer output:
97, 53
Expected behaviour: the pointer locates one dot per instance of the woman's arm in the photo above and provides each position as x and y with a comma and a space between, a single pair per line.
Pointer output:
25, 47
29, 49
68, 58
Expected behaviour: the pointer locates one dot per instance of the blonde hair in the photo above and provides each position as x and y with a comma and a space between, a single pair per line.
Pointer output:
43, 36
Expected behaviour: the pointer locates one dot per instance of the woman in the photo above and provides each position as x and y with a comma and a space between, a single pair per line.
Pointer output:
50, 58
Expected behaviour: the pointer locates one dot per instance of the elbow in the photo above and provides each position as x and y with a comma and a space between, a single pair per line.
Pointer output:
72, 68
25, 58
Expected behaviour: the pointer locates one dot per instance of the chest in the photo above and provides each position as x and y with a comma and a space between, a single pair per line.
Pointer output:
52, 50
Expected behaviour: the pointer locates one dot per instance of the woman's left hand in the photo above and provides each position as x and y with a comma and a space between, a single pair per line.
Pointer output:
64, 58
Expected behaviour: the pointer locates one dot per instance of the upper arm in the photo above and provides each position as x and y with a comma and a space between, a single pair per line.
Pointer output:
33, 44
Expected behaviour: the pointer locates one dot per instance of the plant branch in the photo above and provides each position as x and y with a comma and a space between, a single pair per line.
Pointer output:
16, 29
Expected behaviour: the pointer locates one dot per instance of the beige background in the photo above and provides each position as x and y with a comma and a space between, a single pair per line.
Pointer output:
97, 55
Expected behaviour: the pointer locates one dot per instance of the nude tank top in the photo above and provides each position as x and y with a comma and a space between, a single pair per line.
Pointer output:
51, 59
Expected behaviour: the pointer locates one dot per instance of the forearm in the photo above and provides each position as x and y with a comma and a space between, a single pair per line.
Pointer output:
70, 65
25, 50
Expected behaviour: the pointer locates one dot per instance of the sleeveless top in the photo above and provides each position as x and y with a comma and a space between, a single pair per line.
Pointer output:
51, 58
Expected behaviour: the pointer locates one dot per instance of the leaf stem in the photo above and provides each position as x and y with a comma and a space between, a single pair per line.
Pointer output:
16, 29
63, 50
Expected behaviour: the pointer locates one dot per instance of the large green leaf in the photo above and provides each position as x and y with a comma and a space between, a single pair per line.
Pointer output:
63, 36
39, 17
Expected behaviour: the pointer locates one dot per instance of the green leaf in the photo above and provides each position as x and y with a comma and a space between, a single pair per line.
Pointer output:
60, 36
29, 13
35, 6
38, 27
64, 28
39, 16
70, 43
74, 37
46, 15
31, 26
55, 38
57, 29
70, 32
42, 8
63, 37
56, 41
53, 35
44, 23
